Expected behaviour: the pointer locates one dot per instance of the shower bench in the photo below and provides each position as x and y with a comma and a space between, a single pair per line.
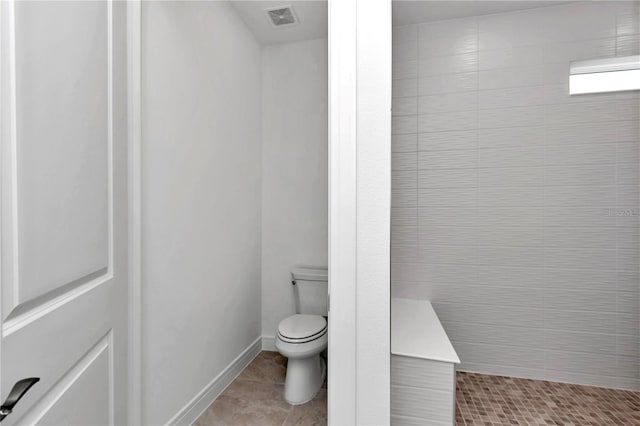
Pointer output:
423, 372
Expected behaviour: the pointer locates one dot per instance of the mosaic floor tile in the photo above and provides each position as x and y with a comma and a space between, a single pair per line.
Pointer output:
496, 400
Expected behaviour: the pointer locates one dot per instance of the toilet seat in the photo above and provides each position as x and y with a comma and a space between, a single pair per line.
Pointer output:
301, 328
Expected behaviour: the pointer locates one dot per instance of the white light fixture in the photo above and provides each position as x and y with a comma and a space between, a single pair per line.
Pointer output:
605, 75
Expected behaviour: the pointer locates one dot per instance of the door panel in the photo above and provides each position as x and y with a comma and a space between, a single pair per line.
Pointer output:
64, 303
63, 148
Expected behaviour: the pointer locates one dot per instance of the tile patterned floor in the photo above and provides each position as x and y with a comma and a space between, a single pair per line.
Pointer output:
256, 398
494, 400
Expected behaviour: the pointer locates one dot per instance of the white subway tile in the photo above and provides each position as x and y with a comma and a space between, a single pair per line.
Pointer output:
405, 34
501, 355
628, 324
453, 178
511, 137
404, 143
509, 276
450, 64
453, 140
562, 340
455, 36
446, 235
524, 56
521, 176
448, 102
403, 52
404, 236
404, 106
511, 97
447, 83
580, 237
589, 20
628, 22
485, 314
579, 279
580, 258
447, 121
510, 216
511, 196
404, 161
578, 362
446, 216
405, 70
446, 197
404, 125
585, 321
580, 300
510, 236
530, 116
567, 155
404, 216
525, 257
526, 156
579, 196
579, 216
471, 332
594, 174
511, 77
628, 45
587, 133
404, 179
452, 255
407, 87
510, 30
438, 160
404, 198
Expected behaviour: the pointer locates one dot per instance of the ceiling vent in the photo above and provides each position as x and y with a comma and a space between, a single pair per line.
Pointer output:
282, 16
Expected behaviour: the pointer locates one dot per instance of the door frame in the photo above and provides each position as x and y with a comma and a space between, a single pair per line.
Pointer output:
134, 119
359, 211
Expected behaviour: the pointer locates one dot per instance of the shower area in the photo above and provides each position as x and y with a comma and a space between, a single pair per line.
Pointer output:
515, 209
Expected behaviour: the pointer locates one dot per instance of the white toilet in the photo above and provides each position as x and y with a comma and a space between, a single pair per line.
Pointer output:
302, 337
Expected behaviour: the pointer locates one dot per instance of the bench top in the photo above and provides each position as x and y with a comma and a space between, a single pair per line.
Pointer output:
416, 332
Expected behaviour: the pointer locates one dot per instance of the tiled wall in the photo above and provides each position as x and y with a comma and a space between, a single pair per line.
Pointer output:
514, 206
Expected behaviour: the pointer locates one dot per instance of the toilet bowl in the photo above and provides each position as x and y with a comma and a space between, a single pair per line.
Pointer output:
301, 338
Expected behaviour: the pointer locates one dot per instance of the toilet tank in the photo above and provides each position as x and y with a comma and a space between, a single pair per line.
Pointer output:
311, 288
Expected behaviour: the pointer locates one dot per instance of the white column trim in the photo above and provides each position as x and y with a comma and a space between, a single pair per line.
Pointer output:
373, 176
134, 116
342, 212
359, 211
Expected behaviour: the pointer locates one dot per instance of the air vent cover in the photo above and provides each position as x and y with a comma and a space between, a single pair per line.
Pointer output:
282, 16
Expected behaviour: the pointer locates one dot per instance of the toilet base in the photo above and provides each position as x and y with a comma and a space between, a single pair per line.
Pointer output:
304, 379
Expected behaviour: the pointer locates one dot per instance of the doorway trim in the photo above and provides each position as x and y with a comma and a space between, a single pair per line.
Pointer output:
359, 211
134, 116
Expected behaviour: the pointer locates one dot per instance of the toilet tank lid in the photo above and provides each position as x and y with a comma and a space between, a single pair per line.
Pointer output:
309, 274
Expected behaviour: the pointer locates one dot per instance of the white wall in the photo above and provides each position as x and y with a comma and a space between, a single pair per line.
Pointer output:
201, 198
294, 170
510, 198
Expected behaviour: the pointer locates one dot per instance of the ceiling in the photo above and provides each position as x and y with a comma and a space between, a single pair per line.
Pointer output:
312, 17
412, 12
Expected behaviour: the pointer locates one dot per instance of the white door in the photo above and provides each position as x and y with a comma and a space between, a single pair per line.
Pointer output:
63, 217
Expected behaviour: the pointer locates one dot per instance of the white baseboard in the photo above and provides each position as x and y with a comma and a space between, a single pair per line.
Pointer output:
269, 343
194, 408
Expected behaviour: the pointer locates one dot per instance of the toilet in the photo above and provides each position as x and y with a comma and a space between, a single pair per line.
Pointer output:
303, 337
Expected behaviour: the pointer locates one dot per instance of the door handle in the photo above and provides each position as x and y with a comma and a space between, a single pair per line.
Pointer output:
17, 392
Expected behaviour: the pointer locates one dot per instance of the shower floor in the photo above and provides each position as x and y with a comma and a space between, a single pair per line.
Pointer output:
495, 400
